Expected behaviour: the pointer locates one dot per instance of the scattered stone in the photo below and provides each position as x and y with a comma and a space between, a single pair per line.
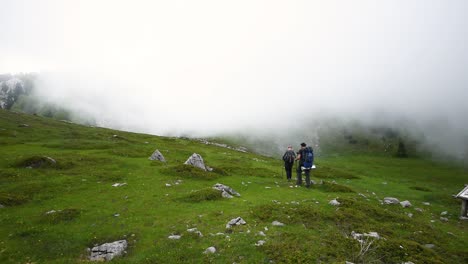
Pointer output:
108, 251
2, 206
197, 161
23, 125
334, 202
444, 219
409, 215
168, 185
157, 156
260, 243
266, 228
267, 187
192, 230
116, 215
444, 213
261, 233
226, 191
119, 184
426, 203
419, 210
277, 223
174, 237
384, 183
50, 212
348, 262
210, 250
405, 204
391, 200
235, 221
360, 194
360, 237
429, 246
407, 262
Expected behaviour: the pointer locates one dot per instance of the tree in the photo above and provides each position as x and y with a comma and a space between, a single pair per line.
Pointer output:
401, 152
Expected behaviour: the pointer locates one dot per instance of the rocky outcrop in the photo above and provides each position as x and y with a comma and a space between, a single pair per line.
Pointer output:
235, 222
197, 161
108, 251
157, 156
226, 191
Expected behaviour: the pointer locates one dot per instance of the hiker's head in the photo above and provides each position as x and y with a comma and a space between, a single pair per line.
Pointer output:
303, 145
289, 147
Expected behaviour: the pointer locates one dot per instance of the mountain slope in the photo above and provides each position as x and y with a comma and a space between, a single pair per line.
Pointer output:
89, 210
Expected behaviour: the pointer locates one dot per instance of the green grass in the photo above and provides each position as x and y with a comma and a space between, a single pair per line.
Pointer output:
89, 211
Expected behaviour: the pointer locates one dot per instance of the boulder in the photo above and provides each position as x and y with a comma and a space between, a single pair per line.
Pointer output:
157, 156
174, 237
405, 204
334, 202
197, 161
226, 191
210, 250
108, 251
391, 200
235, 221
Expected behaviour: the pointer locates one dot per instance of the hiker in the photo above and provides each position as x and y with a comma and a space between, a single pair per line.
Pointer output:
306, 160
288, 158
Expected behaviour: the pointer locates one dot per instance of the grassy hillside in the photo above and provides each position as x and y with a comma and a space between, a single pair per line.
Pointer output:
90, 211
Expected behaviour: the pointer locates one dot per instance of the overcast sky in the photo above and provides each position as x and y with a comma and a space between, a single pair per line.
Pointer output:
215, 66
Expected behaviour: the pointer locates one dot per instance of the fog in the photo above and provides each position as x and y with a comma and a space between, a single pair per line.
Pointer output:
203, 68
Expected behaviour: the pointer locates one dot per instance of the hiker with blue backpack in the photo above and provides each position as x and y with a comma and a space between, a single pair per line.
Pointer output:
306, 161
289, 157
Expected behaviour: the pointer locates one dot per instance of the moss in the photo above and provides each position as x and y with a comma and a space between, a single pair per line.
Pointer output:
333, 187
65, 215
11, 199
187, 171
206, 194
37, 162
419, 188
333, 173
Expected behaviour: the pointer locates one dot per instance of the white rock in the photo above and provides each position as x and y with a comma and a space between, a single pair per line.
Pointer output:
210, 250
108, 251
119, 184
168, 185
444, 219
174, 237
225, 190
334, 202
405, 204
409, 215
426, 203
260, 243
277, 223
192, 230
444, 213
391, 200
50, 212
235, 221
261, 233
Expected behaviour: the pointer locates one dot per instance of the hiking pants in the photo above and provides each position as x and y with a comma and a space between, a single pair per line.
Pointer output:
299, 176
288, 167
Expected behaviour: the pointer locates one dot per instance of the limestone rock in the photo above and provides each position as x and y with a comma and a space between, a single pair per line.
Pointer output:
197, 161
405, 204
235, 221
226, 191
119, 184
108, 251
334, 202
444, 213
429, 246
210, 250
174, 237
260, 243
277, 223
360, 237
391, 200
444, 219
157, 156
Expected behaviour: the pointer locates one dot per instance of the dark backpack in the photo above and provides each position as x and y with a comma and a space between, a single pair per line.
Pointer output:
308, 158
289, 156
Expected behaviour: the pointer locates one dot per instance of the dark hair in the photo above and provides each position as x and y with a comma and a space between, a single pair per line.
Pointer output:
303, 144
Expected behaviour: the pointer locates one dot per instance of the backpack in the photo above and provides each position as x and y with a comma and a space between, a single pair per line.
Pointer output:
289, 156
308, 158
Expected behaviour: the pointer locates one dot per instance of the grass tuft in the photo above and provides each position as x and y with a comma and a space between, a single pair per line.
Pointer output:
206, 194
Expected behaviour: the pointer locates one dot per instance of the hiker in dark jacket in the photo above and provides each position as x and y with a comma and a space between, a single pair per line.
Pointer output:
301, 157
288, 158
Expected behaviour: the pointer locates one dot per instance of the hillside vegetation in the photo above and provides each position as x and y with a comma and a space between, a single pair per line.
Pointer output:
89, 210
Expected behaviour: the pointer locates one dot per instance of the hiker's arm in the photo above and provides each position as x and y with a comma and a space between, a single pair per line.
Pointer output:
298, 157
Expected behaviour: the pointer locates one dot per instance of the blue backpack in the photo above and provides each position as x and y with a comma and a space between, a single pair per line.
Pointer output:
308, 158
